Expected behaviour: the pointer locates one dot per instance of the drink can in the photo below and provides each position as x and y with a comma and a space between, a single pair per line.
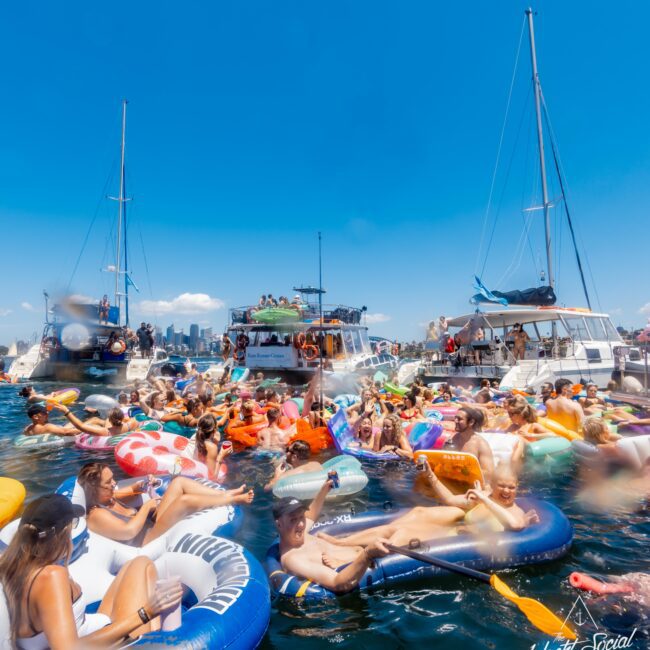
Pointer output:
334, 477
421, 463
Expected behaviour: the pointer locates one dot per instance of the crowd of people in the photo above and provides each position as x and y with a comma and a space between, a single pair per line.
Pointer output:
377, 419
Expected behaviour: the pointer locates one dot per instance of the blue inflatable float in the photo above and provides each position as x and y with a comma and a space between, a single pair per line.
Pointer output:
541, 542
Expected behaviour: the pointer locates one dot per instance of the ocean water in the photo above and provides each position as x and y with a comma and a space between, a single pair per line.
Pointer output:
448, 612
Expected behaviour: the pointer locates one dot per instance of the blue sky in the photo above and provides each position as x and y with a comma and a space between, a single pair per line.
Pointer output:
253, 125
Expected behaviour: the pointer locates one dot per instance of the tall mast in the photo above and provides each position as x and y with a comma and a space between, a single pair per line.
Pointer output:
120, 216
540, 143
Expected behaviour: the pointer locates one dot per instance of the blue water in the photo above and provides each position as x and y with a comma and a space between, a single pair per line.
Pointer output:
449, 612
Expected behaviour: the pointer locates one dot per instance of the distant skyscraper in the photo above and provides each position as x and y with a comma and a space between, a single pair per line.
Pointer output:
194, 336
170, 335
178, 339
158, 336
207, 333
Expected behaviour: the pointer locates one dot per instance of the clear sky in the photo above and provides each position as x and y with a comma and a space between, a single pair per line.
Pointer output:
252, 125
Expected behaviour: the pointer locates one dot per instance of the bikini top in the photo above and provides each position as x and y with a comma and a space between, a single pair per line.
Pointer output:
39, 641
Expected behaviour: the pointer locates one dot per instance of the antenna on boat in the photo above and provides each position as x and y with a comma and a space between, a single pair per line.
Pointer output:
540, 143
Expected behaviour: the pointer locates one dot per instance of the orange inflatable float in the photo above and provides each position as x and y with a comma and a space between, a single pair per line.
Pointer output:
318, 438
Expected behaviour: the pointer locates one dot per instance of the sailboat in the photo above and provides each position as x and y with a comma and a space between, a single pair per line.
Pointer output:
574, 343
83, 341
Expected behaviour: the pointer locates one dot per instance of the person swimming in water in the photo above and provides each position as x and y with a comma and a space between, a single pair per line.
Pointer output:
562, 409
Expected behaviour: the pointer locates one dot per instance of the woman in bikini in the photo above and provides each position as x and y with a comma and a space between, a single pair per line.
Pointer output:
107, 515
47, 609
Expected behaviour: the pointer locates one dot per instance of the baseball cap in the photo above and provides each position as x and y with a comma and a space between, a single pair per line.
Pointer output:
286, 506
51, 512
36, 410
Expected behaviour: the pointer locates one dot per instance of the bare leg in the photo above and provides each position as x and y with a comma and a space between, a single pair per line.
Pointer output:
129, 591
420, 518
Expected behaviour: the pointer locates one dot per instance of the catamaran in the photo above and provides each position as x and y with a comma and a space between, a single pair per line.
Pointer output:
80, 343
575, 343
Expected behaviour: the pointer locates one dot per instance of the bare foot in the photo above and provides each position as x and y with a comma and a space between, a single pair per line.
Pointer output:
243, 499
236, 491
329, 562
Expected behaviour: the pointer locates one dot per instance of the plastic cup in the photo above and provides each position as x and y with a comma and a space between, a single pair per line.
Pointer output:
170, 619
226, 445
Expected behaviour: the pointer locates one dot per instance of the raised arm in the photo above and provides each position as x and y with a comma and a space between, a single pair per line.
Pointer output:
92, 429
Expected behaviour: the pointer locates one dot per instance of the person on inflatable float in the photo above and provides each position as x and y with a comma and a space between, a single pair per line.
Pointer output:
563, 409
40, 424
47, 608
206, 449
108, 516
296, 462
467, 423
477, 511
114, 425
391, 438
312, 558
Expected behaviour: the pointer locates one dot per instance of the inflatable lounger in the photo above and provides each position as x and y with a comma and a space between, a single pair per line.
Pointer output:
542, 542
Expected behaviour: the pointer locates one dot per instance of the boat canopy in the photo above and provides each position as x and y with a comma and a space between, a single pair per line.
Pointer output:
508, 317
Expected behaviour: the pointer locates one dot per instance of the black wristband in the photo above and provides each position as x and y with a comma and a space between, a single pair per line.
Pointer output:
144, 617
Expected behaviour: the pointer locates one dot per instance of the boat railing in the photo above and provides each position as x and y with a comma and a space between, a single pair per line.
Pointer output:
308, 312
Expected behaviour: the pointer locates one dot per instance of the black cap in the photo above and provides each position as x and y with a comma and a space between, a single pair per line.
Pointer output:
287, 505
36, 410
52, 511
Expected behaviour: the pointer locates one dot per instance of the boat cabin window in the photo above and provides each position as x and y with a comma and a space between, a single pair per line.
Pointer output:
347, 342
597, 329
364, 340
356, 339
593, 355
612, 334
576, 328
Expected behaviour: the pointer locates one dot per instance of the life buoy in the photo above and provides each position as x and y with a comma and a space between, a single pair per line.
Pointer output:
299, 340
310, 352
117, 347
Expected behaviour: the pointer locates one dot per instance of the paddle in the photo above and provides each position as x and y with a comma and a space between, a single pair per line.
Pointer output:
541, 617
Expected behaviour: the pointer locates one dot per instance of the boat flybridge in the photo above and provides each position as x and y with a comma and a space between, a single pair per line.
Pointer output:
291, 340
575, 344
79, 346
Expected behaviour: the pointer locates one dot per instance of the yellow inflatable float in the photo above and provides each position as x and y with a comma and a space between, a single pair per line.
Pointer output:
457, 466
557, 428
12, 495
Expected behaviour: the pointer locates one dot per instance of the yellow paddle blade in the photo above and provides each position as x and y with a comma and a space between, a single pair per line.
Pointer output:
541, 617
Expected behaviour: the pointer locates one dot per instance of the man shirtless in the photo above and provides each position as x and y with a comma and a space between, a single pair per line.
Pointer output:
563, 409
468, 422
273, 437
40, 424
297, 462
311, 558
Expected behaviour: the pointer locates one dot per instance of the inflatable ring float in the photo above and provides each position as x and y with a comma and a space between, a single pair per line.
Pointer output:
159, 452
12, 495
305, 486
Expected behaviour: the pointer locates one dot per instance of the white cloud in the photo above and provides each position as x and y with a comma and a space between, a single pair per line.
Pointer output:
186, 303
27, 306
371, 319
645, 309
5, 312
